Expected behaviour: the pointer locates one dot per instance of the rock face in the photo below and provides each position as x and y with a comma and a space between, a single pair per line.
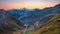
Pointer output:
9, 23
51, 26
12, 21
31, 16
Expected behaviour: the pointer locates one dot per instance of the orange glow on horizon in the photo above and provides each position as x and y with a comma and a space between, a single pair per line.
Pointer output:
27, 5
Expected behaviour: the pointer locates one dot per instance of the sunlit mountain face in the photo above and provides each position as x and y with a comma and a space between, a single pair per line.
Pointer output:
30, 4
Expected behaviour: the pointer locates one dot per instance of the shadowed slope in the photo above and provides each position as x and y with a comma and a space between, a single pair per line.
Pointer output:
9, 23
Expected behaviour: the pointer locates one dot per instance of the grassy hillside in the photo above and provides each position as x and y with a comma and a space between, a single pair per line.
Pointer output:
50, 27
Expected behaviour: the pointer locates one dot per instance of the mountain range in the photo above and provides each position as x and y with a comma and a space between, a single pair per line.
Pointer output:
31, 16
16, 18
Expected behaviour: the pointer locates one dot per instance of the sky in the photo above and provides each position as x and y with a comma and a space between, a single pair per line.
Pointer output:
30, 4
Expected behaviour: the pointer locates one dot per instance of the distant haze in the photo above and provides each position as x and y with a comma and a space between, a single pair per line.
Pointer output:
30, 4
